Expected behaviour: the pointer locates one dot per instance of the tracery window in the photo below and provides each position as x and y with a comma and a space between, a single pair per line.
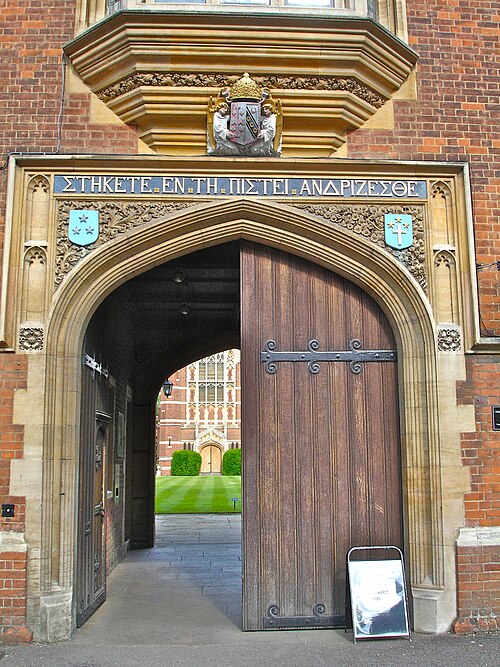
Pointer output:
211, 379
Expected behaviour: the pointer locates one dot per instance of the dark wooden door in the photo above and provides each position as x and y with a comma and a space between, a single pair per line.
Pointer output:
321, 468
94, 439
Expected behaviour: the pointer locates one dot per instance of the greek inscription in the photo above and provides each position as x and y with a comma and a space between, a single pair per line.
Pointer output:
344, 188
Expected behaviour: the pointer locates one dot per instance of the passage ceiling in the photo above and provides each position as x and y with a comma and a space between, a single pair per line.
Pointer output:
206, 284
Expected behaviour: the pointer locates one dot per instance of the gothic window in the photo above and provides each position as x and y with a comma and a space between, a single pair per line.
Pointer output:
211, 379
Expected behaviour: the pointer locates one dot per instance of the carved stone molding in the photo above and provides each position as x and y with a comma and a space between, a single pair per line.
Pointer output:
346, 68
185, 79
449, 338
31, 339
440, 190
368, 221
115, 218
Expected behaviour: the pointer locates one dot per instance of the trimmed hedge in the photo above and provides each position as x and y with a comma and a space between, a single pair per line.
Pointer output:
185, 463
231, 462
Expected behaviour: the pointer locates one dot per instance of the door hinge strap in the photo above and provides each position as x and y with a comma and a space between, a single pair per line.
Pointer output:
95, 366
318, 620
355, 356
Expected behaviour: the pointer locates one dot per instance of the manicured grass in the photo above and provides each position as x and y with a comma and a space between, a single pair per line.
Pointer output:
197, 495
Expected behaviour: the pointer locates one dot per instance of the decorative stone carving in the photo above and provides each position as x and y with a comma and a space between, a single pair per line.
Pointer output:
368, 221
39, 183
349, 68
37, 208
244, 121
35, 255
445, 300
115, 218
184, 79
31, 339
440, 190
34, 282
449, 338
118, 217
444, 258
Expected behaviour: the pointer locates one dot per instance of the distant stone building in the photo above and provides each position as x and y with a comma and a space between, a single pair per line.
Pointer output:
203, 412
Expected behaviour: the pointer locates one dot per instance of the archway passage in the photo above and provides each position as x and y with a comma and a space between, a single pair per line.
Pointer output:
145, 330
321, 461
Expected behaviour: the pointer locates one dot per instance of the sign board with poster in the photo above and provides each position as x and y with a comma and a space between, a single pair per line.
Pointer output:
378, 598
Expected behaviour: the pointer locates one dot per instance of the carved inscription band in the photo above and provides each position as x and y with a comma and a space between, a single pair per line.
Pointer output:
227, 186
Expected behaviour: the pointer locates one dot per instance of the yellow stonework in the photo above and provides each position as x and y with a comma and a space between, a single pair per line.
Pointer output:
431, 351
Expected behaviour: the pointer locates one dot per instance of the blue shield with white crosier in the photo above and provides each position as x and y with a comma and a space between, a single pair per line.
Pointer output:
398, 230
83, 227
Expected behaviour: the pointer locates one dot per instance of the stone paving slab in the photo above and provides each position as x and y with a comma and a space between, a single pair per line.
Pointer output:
168, 612
331, 649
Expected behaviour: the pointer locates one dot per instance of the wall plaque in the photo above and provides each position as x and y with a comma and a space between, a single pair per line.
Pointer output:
495, 415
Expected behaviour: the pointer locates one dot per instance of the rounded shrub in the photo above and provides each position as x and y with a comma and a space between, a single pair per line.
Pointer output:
231, 462
185, 463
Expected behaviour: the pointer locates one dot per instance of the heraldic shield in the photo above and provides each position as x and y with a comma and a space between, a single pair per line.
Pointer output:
244, 121
398, 230
83, 228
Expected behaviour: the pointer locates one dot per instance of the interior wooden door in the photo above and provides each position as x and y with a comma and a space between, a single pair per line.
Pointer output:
321, 451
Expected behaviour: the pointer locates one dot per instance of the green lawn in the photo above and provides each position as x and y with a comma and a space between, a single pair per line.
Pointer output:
197, 495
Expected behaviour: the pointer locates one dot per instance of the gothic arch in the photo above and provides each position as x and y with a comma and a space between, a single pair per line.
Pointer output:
288, 229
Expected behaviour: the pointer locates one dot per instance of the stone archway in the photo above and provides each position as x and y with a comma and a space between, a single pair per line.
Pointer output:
297, 232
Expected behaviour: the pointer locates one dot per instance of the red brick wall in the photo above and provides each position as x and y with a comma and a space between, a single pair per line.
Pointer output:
13, 369
455, 117
478, 568
481, 450
478, 599
30, 85
13, 597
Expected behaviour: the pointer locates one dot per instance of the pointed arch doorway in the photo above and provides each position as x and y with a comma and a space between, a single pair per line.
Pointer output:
211, 459
321, 459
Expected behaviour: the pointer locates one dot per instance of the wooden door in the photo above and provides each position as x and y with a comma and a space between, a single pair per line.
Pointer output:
321, 455
211, 460
94, 446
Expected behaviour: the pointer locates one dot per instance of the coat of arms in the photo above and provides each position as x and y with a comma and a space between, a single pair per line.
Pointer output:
398, 230
245, 120
83, 228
